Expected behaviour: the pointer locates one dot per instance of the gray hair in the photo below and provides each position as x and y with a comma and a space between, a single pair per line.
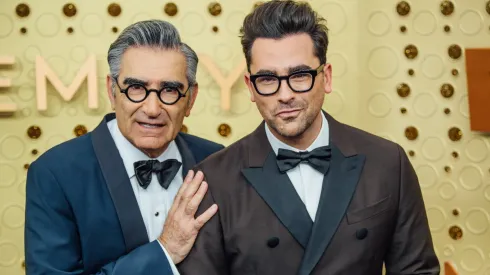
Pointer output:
152, 33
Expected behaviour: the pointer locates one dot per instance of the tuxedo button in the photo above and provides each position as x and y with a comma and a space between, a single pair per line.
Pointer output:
273, 242
361, 233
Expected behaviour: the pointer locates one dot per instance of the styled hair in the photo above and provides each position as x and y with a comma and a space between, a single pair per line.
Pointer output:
151, 33
277, 19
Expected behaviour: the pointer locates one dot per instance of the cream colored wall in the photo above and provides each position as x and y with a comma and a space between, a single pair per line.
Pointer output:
367, 53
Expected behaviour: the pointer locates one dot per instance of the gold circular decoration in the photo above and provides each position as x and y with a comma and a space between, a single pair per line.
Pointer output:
455, 232
411, 153
455, 154
454, 72
170, 9
224, 130
403, 110
454, 51
455, 134
115, 29
447, 7
80, 130
447, 111
184, 129
411, 51
22, 10
403, 28
70, 10
455, 212
214, 8
34, 132
411, 133
447, 90
488, 7
403, 8
26, 166
411, 72
447, 169
69, 30
34, 151
447, 28
403, 90
258, 4
23, 30
114, 9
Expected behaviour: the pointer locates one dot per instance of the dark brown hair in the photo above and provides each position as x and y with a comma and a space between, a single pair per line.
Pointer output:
277, 19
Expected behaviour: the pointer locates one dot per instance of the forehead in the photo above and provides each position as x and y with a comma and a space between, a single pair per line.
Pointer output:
280, 54
153, 63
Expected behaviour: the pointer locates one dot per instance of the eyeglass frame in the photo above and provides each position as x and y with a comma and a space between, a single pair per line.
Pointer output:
148, 91
313, 72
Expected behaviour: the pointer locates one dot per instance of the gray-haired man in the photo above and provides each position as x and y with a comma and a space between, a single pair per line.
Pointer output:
117, 200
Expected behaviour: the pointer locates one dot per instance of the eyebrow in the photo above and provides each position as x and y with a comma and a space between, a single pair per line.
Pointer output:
173, 84
291, 70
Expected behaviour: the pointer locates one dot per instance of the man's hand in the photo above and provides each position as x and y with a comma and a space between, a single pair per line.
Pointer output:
181, 228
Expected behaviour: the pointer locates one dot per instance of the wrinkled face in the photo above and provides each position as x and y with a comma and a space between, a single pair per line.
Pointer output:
288, 113
151, 125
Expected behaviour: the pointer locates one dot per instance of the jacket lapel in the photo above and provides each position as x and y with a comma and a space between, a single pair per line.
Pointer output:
188, 160
278, 192
116, 178
337, 191
338, 188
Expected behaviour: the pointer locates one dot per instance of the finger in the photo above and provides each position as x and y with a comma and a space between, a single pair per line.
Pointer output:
182, 188
192, 188
205, 217
193, 204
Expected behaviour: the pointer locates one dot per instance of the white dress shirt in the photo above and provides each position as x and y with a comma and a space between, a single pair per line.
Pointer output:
306, 180
155, 201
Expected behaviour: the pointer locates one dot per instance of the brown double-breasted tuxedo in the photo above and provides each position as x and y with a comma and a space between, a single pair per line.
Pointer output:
370, 212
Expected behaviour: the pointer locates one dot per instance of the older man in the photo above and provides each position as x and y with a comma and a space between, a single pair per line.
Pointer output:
117, 200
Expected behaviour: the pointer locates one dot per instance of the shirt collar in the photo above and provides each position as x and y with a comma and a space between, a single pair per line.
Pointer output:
130, 154
321, 140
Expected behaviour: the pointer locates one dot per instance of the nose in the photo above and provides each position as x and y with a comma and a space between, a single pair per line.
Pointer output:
152, 105
285, 93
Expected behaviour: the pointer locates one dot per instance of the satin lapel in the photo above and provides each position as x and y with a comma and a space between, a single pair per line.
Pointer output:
188, 160
117, 180
337, 191
278, 192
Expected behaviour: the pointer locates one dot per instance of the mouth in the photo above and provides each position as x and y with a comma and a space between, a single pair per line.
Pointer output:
288, 113
150, 125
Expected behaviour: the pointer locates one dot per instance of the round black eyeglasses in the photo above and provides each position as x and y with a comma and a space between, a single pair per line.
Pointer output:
137, 93
300, 82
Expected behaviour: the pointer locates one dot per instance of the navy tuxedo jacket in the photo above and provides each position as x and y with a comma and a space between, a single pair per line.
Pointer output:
81, 213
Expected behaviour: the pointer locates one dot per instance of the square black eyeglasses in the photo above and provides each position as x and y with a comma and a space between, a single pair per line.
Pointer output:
300, 81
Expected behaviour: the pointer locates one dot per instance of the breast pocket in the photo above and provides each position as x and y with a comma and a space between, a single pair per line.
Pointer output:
369, 211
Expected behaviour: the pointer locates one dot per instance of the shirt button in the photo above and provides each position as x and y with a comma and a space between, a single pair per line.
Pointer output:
156, 214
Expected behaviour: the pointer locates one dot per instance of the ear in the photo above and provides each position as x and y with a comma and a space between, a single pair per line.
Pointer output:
191, 101
250, 86
110, 93
327, 77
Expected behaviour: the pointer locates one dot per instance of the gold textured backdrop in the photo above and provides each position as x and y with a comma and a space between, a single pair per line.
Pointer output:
398, 67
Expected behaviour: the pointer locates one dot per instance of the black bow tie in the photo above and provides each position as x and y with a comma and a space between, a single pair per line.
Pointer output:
318, 159
165, 171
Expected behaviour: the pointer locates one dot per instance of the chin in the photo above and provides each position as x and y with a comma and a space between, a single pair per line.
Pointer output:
288, 130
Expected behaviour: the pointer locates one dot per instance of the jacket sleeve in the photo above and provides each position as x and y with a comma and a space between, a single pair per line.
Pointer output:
411, 250
51, 241
207, 256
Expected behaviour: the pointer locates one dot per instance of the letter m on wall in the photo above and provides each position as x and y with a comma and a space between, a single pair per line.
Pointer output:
44, 72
